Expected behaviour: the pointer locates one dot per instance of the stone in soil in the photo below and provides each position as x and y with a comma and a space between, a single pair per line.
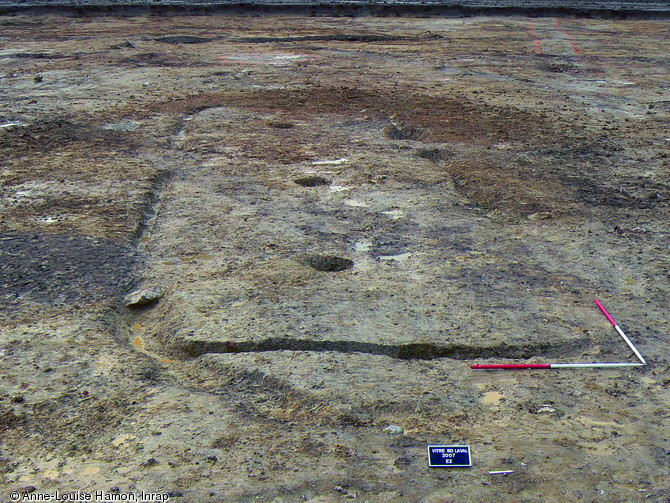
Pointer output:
143, 297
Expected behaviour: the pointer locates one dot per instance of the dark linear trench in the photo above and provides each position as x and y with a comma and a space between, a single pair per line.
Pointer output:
417, 351
159, 183
323, 38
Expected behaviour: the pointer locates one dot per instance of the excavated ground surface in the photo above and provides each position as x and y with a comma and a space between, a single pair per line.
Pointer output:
344, 214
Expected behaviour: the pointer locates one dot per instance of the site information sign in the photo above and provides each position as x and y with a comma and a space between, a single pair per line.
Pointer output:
448, 456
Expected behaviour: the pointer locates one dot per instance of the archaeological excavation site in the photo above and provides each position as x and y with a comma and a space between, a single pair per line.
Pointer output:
253, 254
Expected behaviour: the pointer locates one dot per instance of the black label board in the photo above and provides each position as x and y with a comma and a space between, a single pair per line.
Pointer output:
448, 456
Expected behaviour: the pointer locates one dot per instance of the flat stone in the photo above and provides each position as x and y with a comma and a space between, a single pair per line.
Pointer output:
143, 297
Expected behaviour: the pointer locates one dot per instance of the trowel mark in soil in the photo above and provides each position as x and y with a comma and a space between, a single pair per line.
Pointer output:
61, 269
418, 351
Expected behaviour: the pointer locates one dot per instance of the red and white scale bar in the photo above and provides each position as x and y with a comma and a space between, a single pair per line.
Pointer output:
618, 329
509, 366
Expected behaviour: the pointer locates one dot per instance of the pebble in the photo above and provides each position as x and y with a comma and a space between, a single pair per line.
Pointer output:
543, 215
394, 429
402, 462
143, 296
345, 493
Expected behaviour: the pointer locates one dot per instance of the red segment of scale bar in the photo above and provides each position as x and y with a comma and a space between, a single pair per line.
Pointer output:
514, 366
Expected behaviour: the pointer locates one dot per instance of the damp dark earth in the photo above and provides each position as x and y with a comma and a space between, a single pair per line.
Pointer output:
327, 221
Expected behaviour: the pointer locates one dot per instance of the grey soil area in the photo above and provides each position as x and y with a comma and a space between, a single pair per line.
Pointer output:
334, 218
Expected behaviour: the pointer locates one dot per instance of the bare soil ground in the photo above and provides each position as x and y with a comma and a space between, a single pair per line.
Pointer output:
344, 215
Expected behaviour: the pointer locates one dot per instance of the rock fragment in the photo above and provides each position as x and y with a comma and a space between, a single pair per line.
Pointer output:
394, 429
540, 215
546, 409
143, 297
402, 462
127, 45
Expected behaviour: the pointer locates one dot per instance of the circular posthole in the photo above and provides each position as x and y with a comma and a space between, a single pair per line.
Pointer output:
328, 263
311, 181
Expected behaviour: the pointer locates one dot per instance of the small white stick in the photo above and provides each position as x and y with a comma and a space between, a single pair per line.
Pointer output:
336, 162
501, 472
